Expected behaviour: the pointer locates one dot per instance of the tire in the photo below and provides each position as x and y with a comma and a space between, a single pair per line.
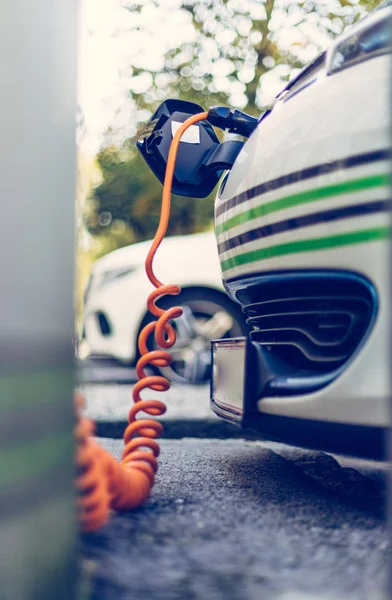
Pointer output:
208, 314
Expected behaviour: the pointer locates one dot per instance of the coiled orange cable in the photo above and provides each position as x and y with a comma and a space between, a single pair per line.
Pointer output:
104, 483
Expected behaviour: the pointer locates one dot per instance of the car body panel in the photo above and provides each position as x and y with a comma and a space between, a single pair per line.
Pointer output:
311, 129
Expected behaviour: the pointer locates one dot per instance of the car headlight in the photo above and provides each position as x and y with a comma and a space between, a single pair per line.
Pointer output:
87, 289
114, 274
97, 280
363, 42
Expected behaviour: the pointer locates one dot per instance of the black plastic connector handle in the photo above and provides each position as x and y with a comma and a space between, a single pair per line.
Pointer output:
235, 121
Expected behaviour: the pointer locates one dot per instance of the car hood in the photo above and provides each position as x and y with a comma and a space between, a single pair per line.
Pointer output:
135, 254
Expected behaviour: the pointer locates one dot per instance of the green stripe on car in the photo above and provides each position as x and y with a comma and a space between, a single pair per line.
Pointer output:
323, 243
353, 185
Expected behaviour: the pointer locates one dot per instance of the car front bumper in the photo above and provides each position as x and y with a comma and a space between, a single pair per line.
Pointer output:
240, 388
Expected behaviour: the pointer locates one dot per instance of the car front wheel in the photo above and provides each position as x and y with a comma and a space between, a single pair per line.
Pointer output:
207, 315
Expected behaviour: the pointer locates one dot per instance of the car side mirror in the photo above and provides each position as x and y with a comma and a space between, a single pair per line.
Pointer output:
201, 158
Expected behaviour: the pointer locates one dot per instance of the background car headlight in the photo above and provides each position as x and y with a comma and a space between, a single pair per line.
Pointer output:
98, 280
87, 289
109, 276
367, 41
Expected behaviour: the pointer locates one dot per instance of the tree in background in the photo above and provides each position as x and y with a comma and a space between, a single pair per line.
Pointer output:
236, 44
237, 52
127, 201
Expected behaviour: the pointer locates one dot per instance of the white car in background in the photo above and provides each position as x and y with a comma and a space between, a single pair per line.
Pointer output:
115, 304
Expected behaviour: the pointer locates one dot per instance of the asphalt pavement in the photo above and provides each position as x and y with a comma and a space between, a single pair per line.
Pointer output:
238, 519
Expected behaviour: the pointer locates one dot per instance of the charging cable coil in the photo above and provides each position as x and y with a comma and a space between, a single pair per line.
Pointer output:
104, 483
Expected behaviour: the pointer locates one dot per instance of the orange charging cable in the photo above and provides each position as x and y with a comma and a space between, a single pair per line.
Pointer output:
103, 483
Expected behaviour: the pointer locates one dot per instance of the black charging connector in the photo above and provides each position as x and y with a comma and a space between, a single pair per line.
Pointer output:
202, 157
235, 121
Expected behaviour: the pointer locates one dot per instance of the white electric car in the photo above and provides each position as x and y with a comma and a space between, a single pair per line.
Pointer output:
302, 222
115, 303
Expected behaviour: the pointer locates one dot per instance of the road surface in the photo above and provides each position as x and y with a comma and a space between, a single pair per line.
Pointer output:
236, 519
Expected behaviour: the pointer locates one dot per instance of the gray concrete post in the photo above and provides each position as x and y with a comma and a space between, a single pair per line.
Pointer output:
37, 196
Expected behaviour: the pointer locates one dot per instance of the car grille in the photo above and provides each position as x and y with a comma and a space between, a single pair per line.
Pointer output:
312, 325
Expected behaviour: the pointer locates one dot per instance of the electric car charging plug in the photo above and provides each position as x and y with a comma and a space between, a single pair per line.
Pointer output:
235, 121
203, 158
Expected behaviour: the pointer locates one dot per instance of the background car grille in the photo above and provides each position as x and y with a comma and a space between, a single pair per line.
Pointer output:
313, 325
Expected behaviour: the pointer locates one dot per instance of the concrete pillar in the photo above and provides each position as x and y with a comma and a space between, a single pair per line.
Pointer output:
37, 191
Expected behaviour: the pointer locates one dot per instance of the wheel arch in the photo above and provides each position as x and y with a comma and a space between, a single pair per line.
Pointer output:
195, 289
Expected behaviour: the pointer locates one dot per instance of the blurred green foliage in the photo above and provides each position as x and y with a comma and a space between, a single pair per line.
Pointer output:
127, 203
236, 43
